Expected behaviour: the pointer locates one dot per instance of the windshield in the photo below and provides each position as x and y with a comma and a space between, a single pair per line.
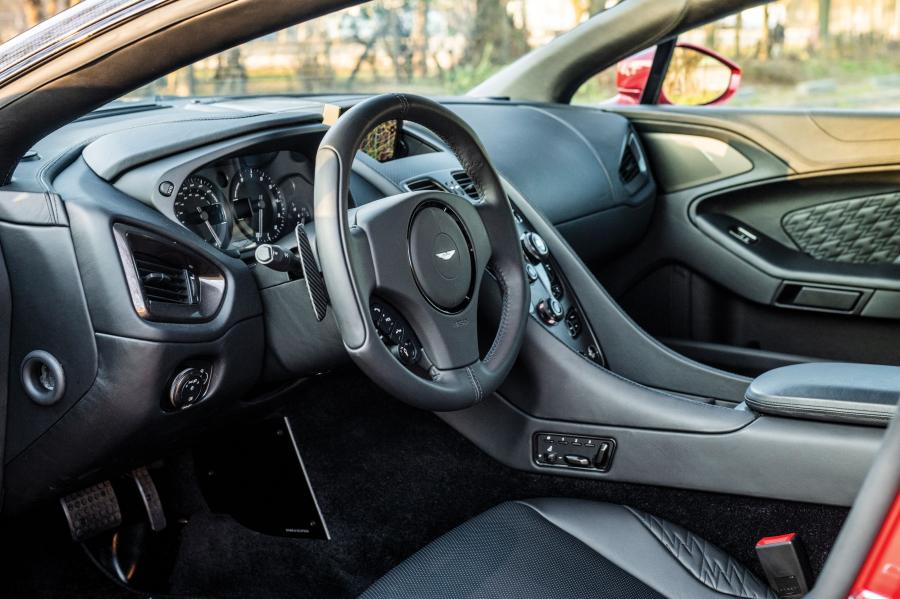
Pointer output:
436, 47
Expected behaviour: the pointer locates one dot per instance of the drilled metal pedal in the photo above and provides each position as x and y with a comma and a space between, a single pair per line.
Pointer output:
150, 496
92, 511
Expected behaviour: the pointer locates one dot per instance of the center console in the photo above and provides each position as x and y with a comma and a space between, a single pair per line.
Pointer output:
553, 303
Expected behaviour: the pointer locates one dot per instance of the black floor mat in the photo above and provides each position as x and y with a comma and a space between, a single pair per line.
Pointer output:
390, 478
40, 560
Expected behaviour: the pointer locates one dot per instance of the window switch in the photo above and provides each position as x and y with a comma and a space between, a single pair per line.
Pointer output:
743, 234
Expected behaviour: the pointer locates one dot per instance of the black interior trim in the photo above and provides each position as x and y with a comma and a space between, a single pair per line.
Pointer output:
658, 69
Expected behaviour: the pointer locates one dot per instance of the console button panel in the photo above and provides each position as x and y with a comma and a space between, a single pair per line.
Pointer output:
560, 450
552, 302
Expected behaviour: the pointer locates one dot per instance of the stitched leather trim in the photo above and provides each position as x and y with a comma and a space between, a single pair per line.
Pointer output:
504, 315
796, 410
706, 562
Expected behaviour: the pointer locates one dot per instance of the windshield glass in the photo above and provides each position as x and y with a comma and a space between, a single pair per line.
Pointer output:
437, 47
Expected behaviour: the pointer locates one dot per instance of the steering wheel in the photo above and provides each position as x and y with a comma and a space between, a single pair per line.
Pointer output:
419, 258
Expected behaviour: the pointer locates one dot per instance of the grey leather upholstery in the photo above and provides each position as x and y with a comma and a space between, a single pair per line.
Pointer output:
832, 392
568, 547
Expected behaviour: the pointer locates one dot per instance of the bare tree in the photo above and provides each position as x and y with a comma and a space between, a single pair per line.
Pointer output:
824, 20
34, 12
419, 38
494, 35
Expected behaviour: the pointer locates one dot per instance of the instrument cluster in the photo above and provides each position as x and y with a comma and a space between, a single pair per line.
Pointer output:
239, 202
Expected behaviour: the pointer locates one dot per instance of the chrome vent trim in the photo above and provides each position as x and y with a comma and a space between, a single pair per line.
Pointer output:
466, 185
424, 184
168, 281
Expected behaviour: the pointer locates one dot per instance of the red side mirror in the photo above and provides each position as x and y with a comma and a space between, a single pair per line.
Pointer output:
697, 76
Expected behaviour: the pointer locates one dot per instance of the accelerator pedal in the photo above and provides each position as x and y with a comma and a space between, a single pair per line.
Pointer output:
92, 511
150, 496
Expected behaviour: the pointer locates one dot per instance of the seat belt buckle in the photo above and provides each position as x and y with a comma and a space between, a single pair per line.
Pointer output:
785, 564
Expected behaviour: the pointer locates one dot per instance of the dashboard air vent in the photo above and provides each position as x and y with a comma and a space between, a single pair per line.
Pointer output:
629, 168
466, 184
162, 282
168, 281
426, 184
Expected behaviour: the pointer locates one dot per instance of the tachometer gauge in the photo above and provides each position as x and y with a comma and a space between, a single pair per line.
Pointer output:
200, 208
260, 209
298, 192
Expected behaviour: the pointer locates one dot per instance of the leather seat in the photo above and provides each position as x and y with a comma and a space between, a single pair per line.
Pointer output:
545, 548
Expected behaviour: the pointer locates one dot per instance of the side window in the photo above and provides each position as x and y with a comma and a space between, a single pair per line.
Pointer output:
786, 54
602, 88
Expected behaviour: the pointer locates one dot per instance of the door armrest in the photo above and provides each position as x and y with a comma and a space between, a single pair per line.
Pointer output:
831, 392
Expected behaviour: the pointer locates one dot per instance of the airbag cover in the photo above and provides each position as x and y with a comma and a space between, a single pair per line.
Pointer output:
440, 257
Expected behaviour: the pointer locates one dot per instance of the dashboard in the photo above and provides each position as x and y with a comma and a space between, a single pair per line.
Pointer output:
146, 224
239, 202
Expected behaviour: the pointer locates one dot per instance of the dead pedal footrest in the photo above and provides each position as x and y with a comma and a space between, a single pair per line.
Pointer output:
92, 510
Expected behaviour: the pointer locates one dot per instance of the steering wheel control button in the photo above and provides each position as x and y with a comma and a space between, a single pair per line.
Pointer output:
550, 311
408, 352
589, 453
397, 334
440, 257
188, 387
535, 247
377, 315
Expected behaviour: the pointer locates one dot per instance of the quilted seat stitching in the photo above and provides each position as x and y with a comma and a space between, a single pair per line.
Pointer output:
697, 556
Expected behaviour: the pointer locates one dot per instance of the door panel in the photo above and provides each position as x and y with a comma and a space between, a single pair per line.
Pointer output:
794, 259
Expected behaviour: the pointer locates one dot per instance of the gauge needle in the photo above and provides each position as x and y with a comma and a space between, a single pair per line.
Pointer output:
259, 220
205, 218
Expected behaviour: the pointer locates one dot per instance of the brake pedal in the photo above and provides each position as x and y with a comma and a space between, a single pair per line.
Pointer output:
92, 511
150, 496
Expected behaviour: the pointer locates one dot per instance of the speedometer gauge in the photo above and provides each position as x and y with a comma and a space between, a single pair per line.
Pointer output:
200, 208
260, 209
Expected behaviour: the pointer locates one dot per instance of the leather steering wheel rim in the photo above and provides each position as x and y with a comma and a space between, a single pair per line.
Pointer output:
370, 253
